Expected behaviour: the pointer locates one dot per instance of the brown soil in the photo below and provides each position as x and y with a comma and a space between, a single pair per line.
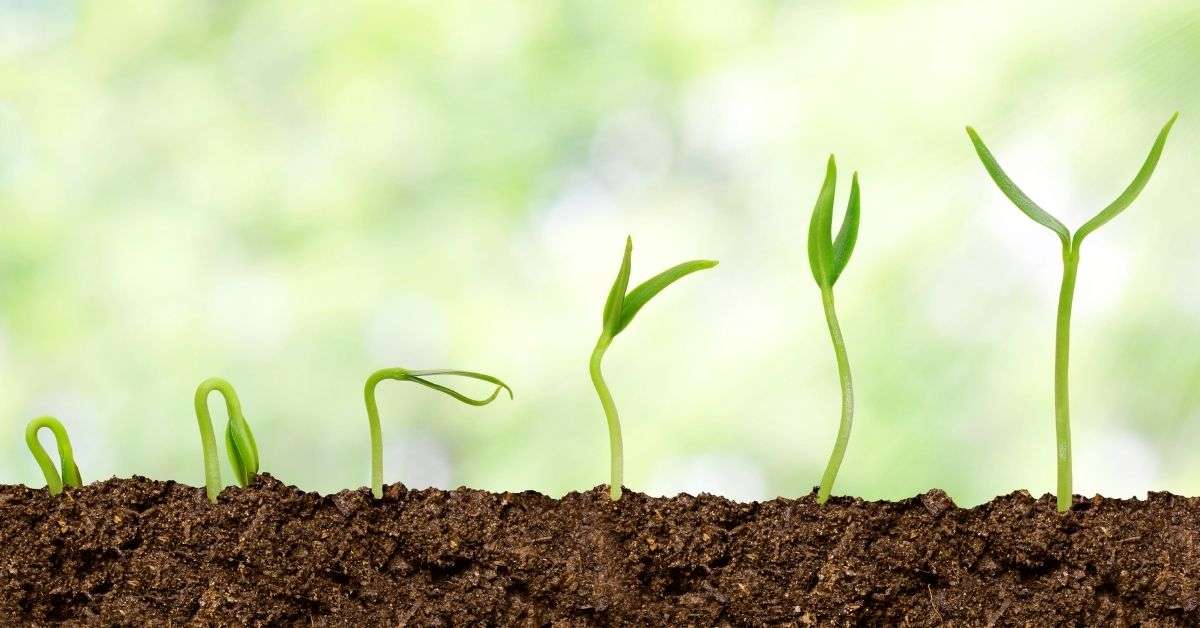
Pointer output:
140, 551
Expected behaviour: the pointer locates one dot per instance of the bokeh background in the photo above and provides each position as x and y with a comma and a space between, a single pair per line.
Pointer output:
291, 198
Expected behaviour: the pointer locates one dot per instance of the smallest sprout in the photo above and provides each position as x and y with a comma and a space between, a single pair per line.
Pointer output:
239, 441
70, 474
417, 377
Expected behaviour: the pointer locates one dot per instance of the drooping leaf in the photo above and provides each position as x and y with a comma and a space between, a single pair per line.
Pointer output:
1014, 193
616, 296
820, 229
847, 235
419, 377
1126, 198
640, 295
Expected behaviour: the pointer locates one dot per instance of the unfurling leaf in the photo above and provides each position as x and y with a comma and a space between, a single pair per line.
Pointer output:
616, 295
828, 257
820, 244
843, 246
640, 295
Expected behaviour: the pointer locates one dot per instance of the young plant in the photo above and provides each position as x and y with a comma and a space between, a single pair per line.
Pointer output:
70, 474
417, 377
1070, 256
828, 257
619, 310
239, 441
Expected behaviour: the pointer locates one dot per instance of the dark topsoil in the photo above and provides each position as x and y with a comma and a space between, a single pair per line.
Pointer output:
140, 551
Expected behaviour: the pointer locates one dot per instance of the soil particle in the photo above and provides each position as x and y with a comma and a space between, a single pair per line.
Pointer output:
139, 551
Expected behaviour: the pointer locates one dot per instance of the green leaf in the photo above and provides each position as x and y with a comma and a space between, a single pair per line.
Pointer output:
847, 235
418, 377
640, 295
1014, 193
616, 296
820, 244
242, 450
1126, 198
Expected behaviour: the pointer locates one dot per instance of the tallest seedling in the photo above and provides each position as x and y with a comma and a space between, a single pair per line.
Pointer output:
1070, 255
828, 257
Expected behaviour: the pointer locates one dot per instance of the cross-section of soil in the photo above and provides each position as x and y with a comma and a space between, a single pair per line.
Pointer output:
140, 551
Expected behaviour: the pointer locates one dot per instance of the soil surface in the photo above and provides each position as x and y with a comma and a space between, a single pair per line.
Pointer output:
139, 551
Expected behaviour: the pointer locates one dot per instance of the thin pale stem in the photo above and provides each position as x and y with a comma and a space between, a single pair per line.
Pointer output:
376, 431
1062, 397
70, 473
617, 464
843, 363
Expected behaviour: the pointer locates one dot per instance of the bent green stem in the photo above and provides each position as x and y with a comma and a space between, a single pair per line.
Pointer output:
615, 448
239, 441
418, 377
1062, 354
843, 364
70, 475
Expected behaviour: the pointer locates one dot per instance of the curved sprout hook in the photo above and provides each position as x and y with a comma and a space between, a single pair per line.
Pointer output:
70, 475
418, 377
239, 440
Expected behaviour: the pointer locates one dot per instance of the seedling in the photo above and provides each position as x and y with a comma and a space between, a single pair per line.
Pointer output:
1070, 256
619, 310
828, 257
239, 441
417, 377
70, 474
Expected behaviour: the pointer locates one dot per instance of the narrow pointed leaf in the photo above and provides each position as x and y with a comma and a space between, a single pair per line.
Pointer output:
1126, 198
414, 376
1014, 193
240, 473
470, 374
242, 450
616, 296
820, 229
847, 235
640, 295
72, 477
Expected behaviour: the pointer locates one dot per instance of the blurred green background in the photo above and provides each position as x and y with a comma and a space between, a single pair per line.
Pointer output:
291, 198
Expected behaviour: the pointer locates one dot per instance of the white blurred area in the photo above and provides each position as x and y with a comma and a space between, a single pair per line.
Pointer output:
734, 477
292, 198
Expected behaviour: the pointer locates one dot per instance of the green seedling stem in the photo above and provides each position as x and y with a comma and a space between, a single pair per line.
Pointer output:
70, 474
828, 258
417, 377
619, 310
1070, 256
239, 441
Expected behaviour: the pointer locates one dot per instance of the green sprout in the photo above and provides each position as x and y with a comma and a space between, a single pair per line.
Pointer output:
619, 310
239, 441
418, 377
828, 257
1070, 256
70, 474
